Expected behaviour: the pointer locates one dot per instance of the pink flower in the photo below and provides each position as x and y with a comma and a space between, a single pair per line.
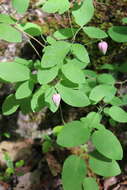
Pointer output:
56, 99
103, 46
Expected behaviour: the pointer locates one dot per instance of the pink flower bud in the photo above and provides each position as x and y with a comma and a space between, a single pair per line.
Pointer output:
103, 46
56, 99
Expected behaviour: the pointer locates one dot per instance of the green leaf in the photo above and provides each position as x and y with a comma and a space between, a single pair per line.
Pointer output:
73, 97
106, 142
48, 99
53, 6
90, 73
37, 102
14, 72
73, 134
83, 13
90, 184
108, 67
56, 130
19, 163
116, 101
24, 90
103, 166
20, 6
73, 73
10, 105
80, 52
124, 20
9, 171
31, 28
77, 63
25, 105
102, 91
92, 120
4, 18
55, 54
65, 33
106, 111
7, 135
67, 83
74, 171
9, 33
47, 75
46, 146
22, 61
94, 32
106, 79
8, 160
50, 40
118, 114
124, 99
112, 122
91, 82
122, 68
118, 33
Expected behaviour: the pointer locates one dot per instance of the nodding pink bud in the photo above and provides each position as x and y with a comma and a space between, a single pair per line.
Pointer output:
103, 46
56, 99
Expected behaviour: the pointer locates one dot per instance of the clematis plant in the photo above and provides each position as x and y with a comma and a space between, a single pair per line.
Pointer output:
64, 73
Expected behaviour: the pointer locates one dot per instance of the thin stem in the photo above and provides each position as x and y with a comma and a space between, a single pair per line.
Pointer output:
74, 37
28, 35
121, 82
43, 39
61, 114
34, 49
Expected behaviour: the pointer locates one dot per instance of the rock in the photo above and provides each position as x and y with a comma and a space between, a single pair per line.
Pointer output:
20, 150
24, 182
109, 182
29, 181
2, 188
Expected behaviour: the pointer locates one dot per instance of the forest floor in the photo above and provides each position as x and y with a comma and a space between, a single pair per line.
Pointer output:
40, 171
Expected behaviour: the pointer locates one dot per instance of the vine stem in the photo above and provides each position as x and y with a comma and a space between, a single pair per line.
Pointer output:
28, 35
61, 114
121, 82
34, 49
43, 39
76, 33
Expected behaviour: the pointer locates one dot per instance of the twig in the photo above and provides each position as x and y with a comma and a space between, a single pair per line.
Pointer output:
34, 49
28, 35
61, 114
